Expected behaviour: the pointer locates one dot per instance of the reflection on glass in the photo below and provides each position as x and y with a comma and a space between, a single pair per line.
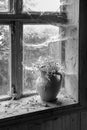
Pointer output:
4, 5
5, 60
41, 5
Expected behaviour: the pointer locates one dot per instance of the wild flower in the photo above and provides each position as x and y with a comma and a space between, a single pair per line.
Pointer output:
49, 66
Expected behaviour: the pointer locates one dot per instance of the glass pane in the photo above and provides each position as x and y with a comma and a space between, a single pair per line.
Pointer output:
39, 41
5, 60
42, 42
4, 5
41, 5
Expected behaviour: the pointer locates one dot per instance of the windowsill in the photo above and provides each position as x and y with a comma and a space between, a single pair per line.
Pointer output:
32, 104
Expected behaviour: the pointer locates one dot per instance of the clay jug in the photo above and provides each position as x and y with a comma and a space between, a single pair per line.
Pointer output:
48, 87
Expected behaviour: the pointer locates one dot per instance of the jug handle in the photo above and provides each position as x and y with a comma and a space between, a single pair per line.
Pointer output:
59, 74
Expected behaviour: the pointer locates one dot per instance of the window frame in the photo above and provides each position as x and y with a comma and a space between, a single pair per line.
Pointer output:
16, 21
54, 113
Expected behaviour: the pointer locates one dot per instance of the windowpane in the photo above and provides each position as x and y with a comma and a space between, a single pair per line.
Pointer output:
41, 5
5, 60
39, 41
44, 41
4, 5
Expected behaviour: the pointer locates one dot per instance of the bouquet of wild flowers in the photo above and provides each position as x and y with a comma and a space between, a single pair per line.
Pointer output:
49, 66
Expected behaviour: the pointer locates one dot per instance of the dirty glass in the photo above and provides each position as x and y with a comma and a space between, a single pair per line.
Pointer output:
39, 41
5, 60
41, 5
71, 62
4, 6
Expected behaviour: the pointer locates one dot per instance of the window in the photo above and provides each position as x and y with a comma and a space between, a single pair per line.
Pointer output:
31, 30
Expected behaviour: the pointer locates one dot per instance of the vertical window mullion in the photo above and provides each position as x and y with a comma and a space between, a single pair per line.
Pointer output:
18, 6
16, 50
18, 36
17, 59
13, 57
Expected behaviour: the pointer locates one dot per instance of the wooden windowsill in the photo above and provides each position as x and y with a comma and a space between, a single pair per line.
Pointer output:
32, 104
